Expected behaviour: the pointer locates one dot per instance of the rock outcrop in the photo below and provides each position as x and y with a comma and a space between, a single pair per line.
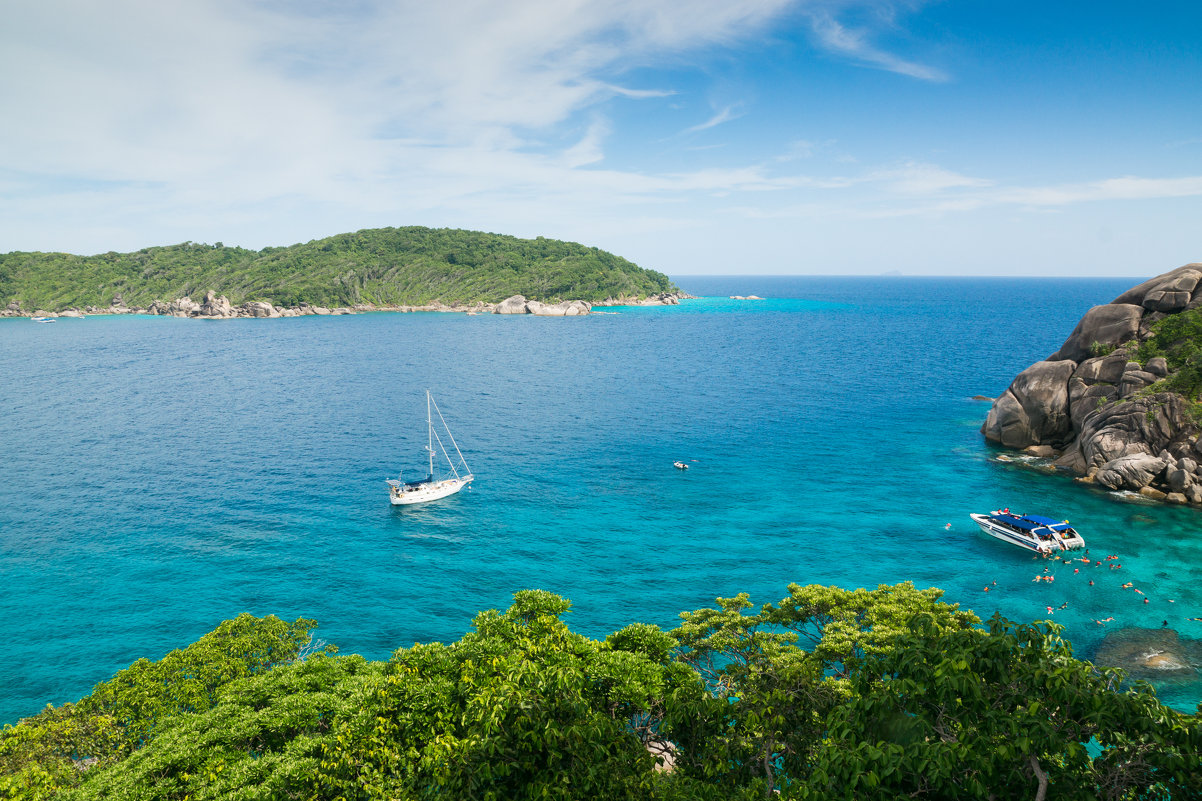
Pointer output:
517, 304
1035, 409
660, 299
1107, 416
215, 307
1105, 325
512, 305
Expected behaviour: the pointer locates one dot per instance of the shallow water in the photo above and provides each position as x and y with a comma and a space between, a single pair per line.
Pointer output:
161, 475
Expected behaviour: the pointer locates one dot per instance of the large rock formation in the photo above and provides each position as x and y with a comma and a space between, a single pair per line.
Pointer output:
660, 299
1035, 409
517, 304
214, 306
1104, 412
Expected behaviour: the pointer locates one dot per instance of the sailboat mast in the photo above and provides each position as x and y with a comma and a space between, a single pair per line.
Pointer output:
430, 434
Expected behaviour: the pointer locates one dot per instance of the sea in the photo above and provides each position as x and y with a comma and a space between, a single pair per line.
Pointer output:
159, 475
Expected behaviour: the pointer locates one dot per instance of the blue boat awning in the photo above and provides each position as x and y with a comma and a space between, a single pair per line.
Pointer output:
1031, 522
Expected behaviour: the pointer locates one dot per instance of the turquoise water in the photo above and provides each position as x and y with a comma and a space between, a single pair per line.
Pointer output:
160, 475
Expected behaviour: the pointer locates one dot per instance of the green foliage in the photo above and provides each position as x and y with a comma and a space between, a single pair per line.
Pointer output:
827, 694
780, 672
1178, 338
45, 752
971, 714
263, 739
188, 680
42, 754
1097, 349
385, 266
520, 708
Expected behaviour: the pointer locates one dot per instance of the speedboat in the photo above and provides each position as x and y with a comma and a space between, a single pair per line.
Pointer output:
680, 465
42, 319
1033, 532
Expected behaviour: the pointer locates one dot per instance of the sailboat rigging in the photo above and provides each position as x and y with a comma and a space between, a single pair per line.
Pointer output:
431, 488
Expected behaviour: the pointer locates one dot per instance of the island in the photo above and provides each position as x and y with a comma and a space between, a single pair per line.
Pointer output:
1118, 403
382, 269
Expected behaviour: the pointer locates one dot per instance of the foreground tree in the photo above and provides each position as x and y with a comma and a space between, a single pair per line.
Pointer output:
777, 674
520, 708
48, 752
828, 694
1004, 713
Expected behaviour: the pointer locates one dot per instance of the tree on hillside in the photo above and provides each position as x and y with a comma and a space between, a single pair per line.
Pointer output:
1000, 714
778, 673
43, 754
383, 266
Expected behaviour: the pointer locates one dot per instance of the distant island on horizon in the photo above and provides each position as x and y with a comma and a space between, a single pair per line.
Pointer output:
380, 267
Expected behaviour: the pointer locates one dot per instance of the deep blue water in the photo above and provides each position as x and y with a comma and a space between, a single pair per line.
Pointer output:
160, 475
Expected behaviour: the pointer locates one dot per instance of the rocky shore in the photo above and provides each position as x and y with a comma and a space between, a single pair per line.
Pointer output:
215, 307
1099, 412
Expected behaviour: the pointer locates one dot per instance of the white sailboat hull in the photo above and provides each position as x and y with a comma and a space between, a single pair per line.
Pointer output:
427, 491
403, 493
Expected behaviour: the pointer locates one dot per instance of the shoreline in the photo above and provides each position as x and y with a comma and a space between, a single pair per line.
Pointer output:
219, 308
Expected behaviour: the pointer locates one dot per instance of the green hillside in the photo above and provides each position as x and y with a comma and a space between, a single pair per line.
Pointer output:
382, 266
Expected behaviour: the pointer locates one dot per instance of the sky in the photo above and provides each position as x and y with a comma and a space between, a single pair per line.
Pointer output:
693, 137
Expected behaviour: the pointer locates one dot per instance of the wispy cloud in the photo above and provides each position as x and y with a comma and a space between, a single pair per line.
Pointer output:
917, 188
1124, 188
855, 43
920, 179
725, 115
588, 150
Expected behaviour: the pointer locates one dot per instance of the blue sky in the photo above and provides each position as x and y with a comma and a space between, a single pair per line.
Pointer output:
966, 137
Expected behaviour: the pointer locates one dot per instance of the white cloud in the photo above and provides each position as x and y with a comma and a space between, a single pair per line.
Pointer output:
221, 108
725, 115
855, 43
1125, 188
915, 178
588, 149
257, 122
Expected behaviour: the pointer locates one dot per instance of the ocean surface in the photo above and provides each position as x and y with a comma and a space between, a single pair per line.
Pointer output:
160, 475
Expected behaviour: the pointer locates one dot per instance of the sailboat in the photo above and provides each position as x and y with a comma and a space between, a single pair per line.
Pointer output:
431, 488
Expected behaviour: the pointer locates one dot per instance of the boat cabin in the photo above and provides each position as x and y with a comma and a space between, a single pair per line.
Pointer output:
1044, 533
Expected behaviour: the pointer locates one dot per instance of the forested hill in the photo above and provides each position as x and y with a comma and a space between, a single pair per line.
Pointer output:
382, 266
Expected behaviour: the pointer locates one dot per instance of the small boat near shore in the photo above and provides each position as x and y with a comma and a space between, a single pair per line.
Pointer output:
1033, 532
42, 319
430, 488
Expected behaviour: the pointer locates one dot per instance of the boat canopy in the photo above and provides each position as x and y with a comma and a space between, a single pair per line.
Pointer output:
1031, 522
392, 482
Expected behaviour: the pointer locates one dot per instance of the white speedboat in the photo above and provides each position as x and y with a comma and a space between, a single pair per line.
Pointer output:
1033, 532
431, 488
42, 319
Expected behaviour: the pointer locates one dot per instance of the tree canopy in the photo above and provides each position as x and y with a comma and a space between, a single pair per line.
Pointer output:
827, 694
383, 266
